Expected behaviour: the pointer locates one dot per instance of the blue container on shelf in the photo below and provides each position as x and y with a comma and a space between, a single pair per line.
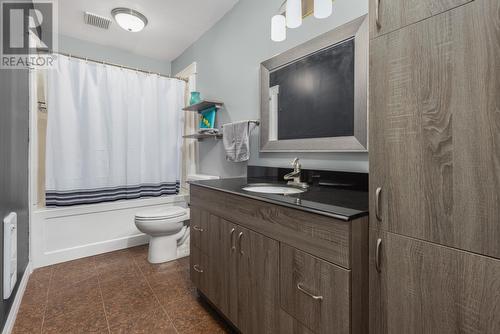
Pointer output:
195, 98
207, 120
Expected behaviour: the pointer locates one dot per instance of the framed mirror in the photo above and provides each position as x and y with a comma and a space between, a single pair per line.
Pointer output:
314, 96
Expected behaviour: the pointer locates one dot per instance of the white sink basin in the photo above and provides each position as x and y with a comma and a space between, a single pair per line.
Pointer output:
273, 189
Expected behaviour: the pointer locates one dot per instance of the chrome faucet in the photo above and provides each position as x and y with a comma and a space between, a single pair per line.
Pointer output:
293, 178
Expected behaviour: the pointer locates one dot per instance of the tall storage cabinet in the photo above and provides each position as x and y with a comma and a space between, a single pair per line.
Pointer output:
434, 166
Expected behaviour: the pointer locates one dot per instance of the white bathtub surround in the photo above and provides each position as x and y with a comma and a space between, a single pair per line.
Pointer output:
69, 233
112, 133
166, 227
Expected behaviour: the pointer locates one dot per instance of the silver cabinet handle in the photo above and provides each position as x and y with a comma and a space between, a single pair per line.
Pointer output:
240, 237
231, 234
377, 204
377, 14
377, 255
197, 268
304, 291
197, 228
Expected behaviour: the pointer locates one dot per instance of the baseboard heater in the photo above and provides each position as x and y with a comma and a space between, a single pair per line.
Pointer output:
9, 254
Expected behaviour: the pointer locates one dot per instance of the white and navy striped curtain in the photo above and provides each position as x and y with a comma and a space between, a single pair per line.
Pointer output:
112, 133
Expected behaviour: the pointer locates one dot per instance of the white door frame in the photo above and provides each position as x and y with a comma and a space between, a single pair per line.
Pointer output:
190, 73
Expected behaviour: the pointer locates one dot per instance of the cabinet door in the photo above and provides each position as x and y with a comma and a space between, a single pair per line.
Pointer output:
257, 281
390, 15
211, 263
228, 265
218, 259
435, 128
428, 288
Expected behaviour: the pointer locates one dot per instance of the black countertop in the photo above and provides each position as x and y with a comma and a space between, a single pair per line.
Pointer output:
334, 199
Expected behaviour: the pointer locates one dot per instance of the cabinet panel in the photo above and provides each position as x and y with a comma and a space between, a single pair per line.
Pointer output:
199, 228
229, 230
199, 272
428, 288
290, 325
258, 283
218, 256
390, 15
212, 234
305, 279
435, 128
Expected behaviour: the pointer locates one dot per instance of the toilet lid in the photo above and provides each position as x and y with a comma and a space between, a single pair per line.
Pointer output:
162, 213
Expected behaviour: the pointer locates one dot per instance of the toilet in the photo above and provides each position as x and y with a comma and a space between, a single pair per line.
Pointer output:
166, 229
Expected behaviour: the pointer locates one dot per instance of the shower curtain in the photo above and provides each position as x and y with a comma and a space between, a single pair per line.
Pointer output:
112, 133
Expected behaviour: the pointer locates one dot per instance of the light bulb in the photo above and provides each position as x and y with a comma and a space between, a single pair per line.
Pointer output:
278, 28
293, 13
322, 8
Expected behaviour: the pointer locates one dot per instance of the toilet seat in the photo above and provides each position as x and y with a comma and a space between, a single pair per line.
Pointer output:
161, 213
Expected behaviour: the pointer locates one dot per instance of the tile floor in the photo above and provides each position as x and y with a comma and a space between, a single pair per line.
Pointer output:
118, 292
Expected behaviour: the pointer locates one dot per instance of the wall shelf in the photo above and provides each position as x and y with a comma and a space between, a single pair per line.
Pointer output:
201, 136
205, 104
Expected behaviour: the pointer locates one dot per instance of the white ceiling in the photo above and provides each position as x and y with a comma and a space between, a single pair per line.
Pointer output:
173, 24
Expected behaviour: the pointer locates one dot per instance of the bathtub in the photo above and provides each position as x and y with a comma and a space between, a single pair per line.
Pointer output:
68, 233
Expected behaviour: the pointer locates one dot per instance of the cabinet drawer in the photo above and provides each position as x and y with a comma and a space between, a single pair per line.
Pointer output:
390, 15
199, 272
314, 292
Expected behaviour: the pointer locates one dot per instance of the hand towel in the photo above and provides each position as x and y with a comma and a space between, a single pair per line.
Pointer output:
236, 141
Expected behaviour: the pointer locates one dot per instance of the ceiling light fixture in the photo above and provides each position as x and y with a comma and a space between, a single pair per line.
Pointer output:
129, 19
291, 13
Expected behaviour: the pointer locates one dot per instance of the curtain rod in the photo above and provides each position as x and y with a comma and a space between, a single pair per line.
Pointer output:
118, 65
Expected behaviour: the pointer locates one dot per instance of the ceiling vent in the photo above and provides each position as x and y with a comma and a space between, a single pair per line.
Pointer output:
97, 20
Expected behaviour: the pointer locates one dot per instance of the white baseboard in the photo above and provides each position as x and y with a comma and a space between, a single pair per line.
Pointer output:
14, 309
78, 252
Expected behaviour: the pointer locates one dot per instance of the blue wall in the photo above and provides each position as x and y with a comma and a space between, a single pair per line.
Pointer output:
228, 58
109, 54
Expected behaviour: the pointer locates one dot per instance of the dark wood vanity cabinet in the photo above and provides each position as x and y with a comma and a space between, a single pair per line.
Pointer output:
277, 279
239, 272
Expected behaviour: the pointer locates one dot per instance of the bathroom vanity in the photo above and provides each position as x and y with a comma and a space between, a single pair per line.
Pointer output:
282, 264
